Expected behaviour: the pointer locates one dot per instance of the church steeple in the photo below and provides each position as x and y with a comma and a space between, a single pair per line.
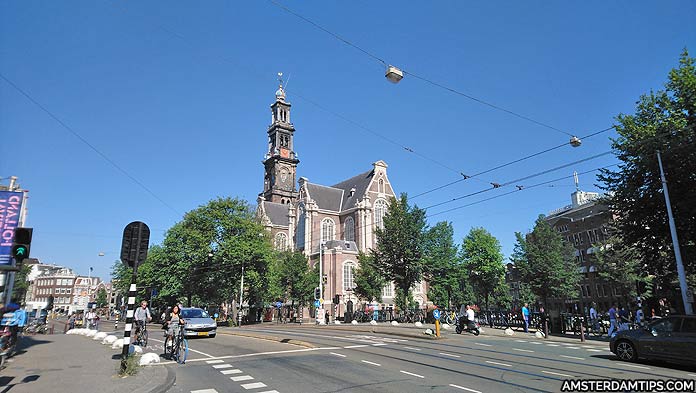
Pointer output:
281, 160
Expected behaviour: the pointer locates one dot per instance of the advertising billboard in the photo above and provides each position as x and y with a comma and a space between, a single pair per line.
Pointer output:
10, 211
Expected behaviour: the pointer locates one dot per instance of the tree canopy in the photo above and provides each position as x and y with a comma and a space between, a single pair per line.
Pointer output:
483, 259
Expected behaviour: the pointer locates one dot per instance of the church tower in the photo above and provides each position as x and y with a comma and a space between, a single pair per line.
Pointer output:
280, 162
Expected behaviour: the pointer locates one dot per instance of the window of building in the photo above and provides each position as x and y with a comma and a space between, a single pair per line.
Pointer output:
301, 226
349, 229
387, 291
69, 290
348, 281
328, 230
281, 241
380, 186
380, 212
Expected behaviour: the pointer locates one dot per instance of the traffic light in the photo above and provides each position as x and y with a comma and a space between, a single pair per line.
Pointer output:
337, 299
317, 293
21, 243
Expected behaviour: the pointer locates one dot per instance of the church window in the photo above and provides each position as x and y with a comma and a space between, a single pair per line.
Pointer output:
349, 229
348, 279
328, 230
281, 241
380, 212
301, 227
380, 186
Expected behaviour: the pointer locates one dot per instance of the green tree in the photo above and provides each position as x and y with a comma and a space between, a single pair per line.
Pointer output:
442, 266
666, 121
399, 251
546, 263
21, 285
295, 279
483, 260
620, 265
101, 297
368, 279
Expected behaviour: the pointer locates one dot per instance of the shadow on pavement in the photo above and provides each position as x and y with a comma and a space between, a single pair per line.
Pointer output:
27, 342
645, 362
6, 382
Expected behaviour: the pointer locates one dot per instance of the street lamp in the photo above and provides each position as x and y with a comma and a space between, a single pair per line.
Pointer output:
394, 74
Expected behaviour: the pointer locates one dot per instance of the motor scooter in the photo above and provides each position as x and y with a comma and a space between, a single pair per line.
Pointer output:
463, 325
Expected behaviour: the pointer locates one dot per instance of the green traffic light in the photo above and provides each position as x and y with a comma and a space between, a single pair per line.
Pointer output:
21, 251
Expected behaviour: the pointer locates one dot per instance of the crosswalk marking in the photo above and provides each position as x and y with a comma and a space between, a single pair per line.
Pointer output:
233, 371
205, 391
254, 385
242, 378
218, 366
214, 361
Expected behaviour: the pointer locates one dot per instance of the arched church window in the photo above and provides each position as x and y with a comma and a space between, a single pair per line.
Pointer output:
380, 186
281, 241
380, 212
328, 230
349, 229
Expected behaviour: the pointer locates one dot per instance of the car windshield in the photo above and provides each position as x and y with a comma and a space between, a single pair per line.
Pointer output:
195, 313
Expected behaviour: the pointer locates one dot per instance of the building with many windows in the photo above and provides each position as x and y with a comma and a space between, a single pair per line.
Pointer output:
328, 223
59, 283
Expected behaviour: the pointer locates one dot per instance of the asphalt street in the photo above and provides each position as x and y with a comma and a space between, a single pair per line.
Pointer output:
344, 361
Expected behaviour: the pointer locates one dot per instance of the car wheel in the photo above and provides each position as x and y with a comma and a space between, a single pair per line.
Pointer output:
625, 350
211, 336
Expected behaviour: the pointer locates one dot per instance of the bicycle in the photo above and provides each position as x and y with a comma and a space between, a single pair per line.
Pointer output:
141, 334
176, 347
449, 317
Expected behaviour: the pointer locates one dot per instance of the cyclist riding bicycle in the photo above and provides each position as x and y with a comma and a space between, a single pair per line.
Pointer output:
173, 322
142, 317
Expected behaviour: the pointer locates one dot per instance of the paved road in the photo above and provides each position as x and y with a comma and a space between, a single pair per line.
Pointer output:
363, 362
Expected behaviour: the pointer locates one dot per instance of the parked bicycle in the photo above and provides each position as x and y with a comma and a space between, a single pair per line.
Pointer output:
176, 347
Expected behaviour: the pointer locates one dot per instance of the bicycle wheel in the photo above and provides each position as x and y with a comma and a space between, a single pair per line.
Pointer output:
143, 338
168, 348
182, 351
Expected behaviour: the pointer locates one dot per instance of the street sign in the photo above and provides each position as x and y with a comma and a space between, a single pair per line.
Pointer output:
436, 314
279, 304
317, 304
136, 240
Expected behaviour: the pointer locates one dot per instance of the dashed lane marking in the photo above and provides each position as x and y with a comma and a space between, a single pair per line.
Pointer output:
415, 349
521, 350
356, 346
633, 365
379, 345
253, 385
205, 391
269, 391
242, 378
572, 348
372, 363
535, 343
450, 354
499, 364
559, 374
552, 345
483, 345
219, 366
572, 357
521, 341
233, 371
463, 388
214, 361
595, 350
415, 375
337, 354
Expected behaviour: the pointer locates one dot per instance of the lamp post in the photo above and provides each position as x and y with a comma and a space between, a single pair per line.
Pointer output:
241, 292
89, 285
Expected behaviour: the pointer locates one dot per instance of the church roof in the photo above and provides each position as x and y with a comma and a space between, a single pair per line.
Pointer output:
360, 183
326, 198
276, 212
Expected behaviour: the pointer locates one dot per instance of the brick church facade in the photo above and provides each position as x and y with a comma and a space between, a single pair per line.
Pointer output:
302, 216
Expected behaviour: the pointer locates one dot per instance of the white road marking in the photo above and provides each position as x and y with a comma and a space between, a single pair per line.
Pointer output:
372, 363
415, 375
415, 349
251, 354
242, 378
218, 366
233, 371
379, 345
559, 374
633, 365
355, 346
572, 357
269, 391
463, 388
337, 354
595, 350
450, 354
254, 385
521, 341
521, 350
552, 345
190, 349
535, 343
483, 345
205, 391
692, 375
214, 361
499, 364
572, 348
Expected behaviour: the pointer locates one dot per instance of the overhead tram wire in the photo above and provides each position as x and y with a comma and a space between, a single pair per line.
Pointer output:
91, 146
474, 176
422, 78
496, 186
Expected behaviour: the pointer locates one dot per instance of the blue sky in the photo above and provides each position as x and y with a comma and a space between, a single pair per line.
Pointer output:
178, 95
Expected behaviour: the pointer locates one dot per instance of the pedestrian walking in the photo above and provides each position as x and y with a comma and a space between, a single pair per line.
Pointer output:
612, 320
525, 317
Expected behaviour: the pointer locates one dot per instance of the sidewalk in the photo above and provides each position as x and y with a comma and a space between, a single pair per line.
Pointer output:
72, 363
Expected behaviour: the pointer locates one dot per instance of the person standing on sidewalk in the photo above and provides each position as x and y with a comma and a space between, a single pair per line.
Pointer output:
525, 317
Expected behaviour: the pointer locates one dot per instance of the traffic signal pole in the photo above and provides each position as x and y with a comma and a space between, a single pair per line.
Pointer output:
132, 293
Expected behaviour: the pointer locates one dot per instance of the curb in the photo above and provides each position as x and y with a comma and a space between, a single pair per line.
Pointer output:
160, 386
270, 338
